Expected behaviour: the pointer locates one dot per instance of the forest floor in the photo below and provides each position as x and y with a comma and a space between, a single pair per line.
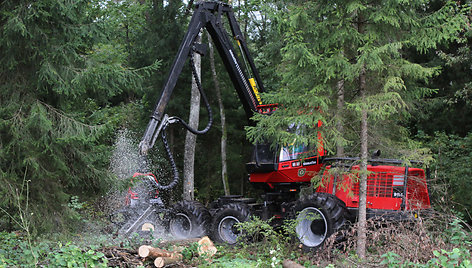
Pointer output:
441, 240
433, 242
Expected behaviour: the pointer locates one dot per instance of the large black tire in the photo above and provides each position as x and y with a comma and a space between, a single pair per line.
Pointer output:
224, 222
317, 217
188, 219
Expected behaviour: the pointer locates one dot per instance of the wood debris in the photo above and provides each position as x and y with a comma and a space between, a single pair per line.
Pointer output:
158, 256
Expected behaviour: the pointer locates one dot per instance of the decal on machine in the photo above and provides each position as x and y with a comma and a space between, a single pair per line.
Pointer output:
309, 163
301, 172
397, 195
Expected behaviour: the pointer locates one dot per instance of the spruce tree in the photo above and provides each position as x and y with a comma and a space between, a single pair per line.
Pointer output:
364, 44
58, 76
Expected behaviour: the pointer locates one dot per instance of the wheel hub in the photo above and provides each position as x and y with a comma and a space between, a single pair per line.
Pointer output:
180, 226
228, 230
311, 227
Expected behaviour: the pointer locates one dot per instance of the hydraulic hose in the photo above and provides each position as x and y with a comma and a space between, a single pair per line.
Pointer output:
175, 171
205, 101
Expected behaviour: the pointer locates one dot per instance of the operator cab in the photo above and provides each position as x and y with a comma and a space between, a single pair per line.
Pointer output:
264, 159
293, 163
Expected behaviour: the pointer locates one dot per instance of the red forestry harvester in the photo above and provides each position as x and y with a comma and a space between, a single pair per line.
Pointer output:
394, 189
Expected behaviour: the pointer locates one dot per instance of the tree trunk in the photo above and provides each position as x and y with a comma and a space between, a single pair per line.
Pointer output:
362, 223
362, 218
224, 169
190, 138
339, 118
171, 139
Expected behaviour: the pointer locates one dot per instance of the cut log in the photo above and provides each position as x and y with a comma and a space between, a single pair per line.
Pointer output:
206, 247
163, 261
291, 264
152, 253
148, 227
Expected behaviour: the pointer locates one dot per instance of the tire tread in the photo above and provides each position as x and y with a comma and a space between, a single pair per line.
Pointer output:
239, 210
198, 214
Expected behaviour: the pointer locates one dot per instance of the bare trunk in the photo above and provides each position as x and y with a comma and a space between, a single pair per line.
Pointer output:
362, 217
362, 223
339, 118
190, 138
224, 169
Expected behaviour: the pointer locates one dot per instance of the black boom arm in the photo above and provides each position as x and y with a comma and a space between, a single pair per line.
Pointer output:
209, 15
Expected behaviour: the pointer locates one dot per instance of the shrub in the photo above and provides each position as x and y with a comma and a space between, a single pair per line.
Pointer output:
16, 251
272, 244
71, 255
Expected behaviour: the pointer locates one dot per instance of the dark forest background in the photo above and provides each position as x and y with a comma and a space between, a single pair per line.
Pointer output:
75, 73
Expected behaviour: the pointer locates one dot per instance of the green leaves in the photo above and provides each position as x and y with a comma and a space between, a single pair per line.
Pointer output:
16, 251
64, 90
328, 42
379, 106
453, 155
71, 255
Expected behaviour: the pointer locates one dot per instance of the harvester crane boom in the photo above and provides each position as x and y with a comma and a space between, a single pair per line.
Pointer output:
209, 15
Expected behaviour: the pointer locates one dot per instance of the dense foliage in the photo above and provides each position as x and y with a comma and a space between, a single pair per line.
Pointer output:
333, 42
59, 77
451, 173
73, 73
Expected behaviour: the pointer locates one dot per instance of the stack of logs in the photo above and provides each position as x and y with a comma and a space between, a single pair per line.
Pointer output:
164, 257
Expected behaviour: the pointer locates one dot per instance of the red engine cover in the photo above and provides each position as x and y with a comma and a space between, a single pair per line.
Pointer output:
385, 187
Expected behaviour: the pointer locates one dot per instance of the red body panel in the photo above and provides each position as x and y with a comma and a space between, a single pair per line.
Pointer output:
290, 171
385, 187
